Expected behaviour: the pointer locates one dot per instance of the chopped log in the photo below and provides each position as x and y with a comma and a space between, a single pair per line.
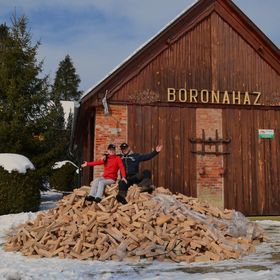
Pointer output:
157, 226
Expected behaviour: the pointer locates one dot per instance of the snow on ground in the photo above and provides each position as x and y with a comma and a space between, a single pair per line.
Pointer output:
263, 265
48, 199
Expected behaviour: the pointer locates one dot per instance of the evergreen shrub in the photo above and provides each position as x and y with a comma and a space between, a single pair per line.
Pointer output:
64, 178
19, 192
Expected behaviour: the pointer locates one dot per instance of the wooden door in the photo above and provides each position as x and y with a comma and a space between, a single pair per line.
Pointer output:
252, 177
175, 166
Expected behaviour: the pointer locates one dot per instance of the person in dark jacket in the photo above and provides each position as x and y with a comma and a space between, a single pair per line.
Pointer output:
131, 163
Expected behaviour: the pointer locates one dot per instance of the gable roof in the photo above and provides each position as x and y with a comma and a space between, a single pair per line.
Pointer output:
137, 50
182, 23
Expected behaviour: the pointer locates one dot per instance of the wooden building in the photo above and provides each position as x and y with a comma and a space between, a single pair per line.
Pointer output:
207, 88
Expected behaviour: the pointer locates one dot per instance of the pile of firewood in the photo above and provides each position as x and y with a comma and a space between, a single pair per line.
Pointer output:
161, 226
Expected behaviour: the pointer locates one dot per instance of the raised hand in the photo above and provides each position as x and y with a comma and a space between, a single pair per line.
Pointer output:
159, 148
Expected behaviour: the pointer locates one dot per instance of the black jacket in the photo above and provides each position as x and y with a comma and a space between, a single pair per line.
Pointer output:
131, 161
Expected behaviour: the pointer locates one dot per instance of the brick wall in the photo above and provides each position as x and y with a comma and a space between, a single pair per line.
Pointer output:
109, 129
210, 181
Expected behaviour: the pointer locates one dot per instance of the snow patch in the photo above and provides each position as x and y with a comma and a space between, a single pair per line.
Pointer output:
11, 221
268, 223
15, 162
59, 164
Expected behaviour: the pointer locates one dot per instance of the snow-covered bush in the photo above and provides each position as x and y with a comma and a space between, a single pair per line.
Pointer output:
19, 184
64, 178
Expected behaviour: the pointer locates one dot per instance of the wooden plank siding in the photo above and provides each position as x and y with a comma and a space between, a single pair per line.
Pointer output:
252, 178
175, 167
88, 134
251, 181
170, 126
175, 67
240, 67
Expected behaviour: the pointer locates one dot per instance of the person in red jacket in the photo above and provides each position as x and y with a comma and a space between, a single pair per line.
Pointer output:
112, 164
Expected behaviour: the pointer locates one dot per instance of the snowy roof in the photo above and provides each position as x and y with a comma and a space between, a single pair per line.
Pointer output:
137, 50
59, 164
15, 162
68, 107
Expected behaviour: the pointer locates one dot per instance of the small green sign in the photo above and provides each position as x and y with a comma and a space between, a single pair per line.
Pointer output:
266, 133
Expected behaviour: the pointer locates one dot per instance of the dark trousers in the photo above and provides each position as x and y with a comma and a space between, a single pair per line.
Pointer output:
143, 178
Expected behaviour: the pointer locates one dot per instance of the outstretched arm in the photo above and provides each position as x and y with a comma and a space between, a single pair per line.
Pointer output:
92, 163
149, 156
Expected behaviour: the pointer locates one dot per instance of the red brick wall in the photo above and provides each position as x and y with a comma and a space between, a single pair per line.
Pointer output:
109, 129
210, 182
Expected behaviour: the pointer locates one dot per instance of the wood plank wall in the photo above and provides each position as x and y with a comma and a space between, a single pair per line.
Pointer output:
253, 166
175, 166
240, 67
87, 145
176, 67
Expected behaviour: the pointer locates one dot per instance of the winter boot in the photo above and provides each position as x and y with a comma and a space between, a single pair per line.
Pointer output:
90, 198
121, 199
146, 185
148, 189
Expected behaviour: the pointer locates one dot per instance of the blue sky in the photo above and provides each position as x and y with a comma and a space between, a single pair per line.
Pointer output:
99, 34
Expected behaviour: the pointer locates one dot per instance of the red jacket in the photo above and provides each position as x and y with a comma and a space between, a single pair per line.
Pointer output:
111, 168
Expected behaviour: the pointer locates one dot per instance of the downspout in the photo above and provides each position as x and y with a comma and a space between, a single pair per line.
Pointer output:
105, 104
73, 147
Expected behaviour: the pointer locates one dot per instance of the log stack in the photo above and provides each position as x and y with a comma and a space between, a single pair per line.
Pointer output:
159, 226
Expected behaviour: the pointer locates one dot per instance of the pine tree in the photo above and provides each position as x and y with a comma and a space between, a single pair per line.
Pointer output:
66, 81
25, 111
23, 95
53, 143
65, 88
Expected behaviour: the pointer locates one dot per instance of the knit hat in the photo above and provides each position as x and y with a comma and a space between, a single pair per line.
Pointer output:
111, 147
124, 146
